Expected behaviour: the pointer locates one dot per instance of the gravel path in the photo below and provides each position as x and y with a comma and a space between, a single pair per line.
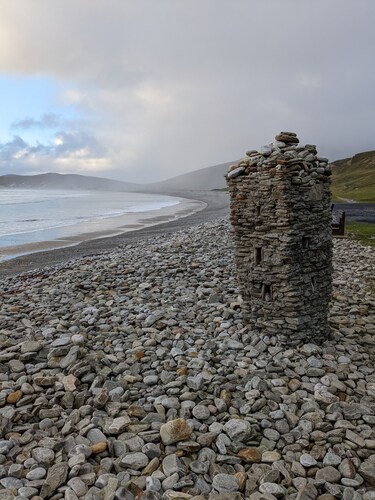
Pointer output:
131, 375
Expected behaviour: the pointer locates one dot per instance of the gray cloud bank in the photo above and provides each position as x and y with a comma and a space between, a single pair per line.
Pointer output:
48, 120
77, 148
166, 87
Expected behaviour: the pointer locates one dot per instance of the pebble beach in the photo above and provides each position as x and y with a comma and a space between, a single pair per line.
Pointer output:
131, 375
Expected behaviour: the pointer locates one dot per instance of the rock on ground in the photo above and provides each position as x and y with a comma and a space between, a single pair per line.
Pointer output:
132, 375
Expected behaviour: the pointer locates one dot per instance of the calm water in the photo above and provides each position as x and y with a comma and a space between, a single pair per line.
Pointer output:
26, 214
363, 212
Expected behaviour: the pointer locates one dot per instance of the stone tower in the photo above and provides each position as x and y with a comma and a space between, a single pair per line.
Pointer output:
281, 216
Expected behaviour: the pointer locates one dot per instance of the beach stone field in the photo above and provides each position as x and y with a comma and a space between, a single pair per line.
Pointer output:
132, 375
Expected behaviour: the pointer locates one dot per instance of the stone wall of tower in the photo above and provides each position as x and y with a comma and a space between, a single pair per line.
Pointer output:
281, 217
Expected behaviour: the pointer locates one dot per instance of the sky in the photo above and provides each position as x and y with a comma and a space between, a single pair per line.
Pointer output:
143, 90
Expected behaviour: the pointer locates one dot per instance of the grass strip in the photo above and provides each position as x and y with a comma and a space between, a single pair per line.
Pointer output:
361, 231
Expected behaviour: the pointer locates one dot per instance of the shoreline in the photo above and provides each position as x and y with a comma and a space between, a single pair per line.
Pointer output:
211, 205
102, 228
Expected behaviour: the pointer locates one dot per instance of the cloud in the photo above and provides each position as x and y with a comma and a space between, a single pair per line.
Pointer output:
48, 120
166, 87
14, 149
72, 144
72, 151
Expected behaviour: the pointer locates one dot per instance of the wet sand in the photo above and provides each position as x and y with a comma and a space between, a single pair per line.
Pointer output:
198, 207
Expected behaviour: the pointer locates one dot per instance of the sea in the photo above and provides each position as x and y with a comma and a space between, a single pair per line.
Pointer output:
361, 212
32, 215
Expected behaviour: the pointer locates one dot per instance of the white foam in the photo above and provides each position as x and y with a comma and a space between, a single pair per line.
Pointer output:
26, 212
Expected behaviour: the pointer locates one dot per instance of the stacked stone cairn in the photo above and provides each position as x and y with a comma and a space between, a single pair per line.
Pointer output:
281, 216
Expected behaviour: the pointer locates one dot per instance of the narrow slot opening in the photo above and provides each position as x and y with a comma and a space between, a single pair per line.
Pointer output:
258, 255
313, 284
267, 293
257, 210
306, 240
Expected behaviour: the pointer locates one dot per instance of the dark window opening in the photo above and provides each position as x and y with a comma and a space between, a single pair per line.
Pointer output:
267, 293
313, 283
306, 240
258, 255
257, 210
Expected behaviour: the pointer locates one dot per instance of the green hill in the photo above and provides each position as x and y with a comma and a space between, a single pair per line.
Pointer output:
354, 178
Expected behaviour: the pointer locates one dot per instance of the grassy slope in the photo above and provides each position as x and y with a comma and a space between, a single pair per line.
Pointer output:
361, 231
354, 178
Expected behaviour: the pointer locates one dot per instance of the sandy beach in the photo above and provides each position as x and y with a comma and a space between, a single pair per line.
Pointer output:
195, 207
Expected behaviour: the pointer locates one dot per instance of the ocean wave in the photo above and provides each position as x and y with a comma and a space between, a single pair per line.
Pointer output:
27, 196
64, 213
